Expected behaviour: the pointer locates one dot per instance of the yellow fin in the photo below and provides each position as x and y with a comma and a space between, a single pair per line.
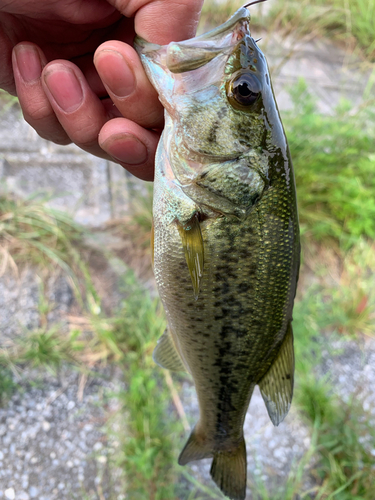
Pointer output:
165, 354
192, 241
229, 471
276, 386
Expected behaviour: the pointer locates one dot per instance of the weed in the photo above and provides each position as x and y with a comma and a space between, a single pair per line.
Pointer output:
295, 484
33, 233
46, 348
345, 467
6, 101
135, 233
7, 384
350, 21
147, 446
345, 440
334, 158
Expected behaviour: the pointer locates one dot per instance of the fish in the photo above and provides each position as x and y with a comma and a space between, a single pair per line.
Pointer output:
226, 244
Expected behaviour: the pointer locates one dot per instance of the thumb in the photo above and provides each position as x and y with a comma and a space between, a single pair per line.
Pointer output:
162, 21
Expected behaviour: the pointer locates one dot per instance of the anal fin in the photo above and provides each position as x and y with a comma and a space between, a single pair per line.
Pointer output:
166, 355
196, 448
276, 386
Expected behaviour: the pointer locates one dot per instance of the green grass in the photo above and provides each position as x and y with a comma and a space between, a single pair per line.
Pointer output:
334, 160
7, 385
6, 101
351, 22
345, 467
34, 234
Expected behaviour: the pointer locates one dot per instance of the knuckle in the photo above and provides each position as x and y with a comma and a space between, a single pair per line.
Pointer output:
36, 114
60, 139
85, 139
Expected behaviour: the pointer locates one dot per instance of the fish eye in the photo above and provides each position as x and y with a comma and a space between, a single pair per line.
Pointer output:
244, 90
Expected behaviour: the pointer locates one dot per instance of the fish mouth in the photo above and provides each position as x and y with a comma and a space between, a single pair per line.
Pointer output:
188, 55
242, 14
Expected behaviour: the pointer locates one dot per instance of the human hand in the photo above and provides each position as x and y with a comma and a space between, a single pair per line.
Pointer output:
60, 92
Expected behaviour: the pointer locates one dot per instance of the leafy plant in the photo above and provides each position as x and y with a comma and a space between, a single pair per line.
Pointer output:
343, 20
349, 21
33, 233
7, 384
148, 436
334, 159
344, 466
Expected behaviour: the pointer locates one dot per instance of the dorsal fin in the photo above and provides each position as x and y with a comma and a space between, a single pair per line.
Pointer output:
166, 355
276, 386
192, 241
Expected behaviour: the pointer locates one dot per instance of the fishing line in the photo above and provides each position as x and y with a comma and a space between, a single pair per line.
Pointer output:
253, 3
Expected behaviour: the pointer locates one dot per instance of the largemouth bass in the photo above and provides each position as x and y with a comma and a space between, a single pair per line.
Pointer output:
226, 237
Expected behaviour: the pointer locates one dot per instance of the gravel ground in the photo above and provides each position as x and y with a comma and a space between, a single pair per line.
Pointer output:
20, 297
52, 438
351, 369
53, 441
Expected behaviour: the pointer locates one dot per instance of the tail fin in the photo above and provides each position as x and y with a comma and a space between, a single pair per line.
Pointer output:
229, 471
228, 468
196, 448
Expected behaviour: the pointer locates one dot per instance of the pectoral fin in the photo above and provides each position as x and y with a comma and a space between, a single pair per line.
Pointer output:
276, 386
192, 241
166, 355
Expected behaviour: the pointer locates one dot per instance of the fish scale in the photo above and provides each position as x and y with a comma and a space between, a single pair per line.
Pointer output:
226, 237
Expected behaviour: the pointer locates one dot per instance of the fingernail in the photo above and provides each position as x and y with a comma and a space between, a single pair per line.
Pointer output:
126, 149
28, 62
64, 87
116, 74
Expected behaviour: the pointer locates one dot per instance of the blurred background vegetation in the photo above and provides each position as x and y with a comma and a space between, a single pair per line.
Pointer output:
334, 158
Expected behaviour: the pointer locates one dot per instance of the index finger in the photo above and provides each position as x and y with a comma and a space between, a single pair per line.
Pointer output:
162, 21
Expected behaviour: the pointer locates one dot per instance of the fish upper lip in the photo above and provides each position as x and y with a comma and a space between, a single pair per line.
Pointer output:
241, 14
